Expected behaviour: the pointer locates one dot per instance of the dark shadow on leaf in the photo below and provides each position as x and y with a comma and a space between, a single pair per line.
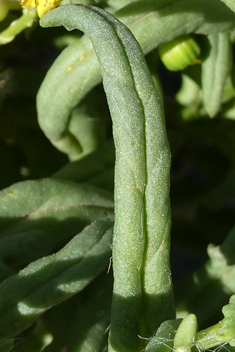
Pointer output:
127, 315
88, 318
41, 229
212, 11
96, 168
52, 280
202, 295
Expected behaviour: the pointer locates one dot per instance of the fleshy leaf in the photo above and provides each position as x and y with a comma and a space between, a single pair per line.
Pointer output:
215, 278
86, 329
221, 333
215, 71
6, 345
38, 216
142, 209
96, 168
229, 320
152, 22
164, 337
53, 279
230, 4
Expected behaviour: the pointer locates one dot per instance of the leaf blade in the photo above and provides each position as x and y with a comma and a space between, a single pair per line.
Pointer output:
53, 279
37, 216
151, 24
142, 157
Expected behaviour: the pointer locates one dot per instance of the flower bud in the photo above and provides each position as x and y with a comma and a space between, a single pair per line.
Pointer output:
179, 53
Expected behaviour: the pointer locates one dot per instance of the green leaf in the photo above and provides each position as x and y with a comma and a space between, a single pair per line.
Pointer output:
76, 71
221, 333
26, 20
152, 60
174, 335
5, 271
88, 123
4, 8
53, 279
230, 4
38, 216
87, 328
117, 4
189, 93
6, 345
180, 335
108, 5
142, 212
168, 19
164, 337
215, 279
229, 321
215, 71
96, 169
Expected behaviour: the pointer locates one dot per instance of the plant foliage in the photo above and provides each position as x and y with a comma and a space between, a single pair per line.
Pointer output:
85, 213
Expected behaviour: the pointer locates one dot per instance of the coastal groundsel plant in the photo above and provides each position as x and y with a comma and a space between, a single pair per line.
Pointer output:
85, 211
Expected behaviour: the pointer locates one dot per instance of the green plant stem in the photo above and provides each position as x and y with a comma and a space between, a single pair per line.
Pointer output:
211, 337
220, 333
18, 26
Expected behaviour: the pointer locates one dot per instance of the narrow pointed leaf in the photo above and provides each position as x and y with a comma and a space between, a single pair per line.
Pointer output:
215, 71
6, 345
162, 341
215, 278
88, 123
220, 333
53, 279
37, 216
142, 282
5, 271
76, 71
230, 4
87, 330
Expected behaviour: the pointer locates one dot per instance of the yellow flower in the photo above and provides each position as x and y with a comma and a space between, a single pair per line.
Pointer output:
43, 6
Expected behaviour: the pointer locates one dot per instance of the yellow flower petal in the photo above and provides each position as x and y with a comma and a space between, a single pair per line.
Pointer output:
28, 4
43, 6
